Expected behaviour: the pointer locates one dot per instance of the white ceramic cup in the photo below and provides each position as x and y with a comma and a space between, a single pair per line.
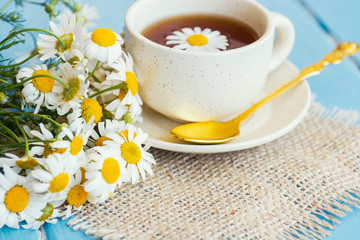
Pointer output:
202, 86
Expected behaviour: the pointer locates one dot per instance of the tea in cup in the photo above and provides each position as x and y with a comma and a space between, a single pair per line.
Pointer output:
206, 59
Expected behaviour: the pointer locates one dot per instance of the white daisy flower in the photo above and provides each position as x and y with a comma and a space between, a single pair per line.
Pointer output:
104, 128
128, 98
25, 162
77, 195
70, 30
128, 146
17, 201
50, 213
197, 40
105, 172
57, 177
39, 90
78, 135
67, 99
47, 148
103, 45
86, 14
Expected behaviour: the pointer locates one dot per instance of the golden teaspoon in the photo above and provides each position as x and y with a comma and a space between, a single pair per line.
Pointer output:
221, 132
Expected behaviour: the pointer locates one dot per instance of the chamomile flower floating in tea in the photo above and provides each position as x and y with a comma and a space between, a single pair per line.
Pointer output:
69, 30
17, 200
103, 45
39, 90
197, 40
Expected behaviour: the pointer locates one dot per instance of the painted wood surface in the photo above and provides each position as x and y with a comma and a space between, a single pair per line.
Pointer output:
319, 25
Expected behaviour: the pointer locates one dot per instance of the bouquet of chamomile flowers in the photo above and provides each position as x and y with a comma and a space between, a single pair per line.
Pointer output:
67, 132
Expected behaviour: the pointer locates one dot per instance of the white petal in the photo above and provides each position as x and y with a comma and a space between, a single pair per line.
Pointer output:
13, 221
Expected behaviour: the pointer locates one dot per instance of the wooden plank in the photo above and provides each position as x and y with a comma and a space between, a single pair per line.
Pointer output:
61, 231
337, 85
15, 234
340, 18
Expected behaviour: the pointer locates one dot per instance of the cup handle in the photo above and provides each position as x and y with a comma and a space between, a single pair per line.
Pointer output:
284, 42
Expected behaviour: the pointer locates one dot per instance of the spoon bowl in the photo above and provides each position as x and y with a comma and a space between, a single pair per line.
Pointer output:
221, 132
212, 132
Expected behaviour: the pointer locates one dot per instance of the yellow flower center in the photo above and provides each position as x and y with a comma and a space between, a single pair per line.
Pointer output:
16, 199
125, 134
130, 152
77, 196
83, 178
47, 212
100, 141
72, 91
29, 163
122, 94
76, 145
132, 83
90, 107
110, 170
67, 40
48, 150
59, 183
104, 37
197, 40
42, 84
60, 150
74, 60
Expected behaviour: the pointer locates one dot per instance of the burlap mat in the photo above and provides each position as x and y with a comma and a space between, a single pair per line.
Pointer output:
296, 187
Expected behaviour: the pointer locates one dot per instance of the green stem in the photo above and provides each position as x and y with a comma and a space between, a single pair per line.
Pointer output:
68, 5
55, 64
36, 76
23, 61
96, 79
24, 135
13, 106
48, 118
93, 71
4, 81
6, 136
32, 114
119, 86
10, 132
11, 149
29, 142
6, 5
36, 3
11, 35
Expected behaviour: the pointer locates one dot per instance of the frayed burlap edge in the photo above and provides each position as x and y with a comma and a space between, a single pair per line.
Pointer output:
296, 187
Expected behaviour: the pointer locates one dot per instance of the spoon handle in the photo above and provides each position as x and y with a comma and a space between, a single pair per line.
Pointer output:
335, 57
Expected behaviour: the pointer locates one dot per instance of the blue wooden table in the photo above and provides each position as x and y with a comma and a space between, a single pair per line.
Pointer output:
320, 25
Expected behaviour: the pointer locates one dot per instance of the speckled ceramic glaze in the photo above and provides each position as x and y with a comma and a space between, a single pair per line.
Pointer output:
201, 86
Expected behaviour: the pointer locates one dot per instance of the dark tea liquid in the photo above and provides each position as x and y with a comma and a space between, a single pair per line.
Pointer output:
238, 33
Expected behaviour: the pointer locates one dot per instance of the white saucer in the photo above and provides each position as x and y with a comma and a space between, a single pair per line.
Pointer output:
270, 122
